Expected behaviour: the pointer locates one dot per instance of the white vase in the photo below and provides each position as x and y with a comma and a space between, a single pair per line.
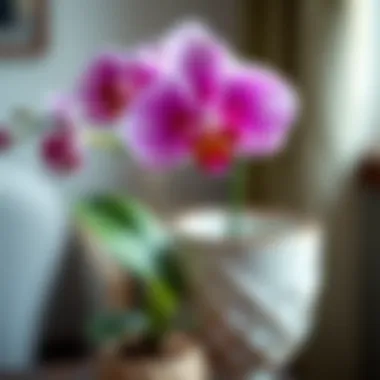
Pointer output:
255, 295
32, 231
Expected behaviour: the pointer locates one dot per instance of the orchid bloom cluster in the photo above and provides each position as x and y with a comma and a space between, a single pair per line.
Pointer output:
186, 97
209, 106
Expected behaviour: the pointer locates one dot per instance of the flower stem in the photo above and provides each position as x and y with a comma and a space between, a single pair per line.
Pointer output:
107, 141
238, 196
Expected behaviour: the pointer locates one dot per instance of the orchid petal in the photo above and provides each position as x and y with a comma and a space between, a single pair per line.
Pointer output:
111, 83
261, 107
62, 148
194, 54
162, 125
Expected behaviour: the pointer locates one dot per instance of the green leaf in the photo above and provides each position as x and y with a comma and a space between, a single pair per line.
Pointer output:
162, 304
111, 326
144, 222
113, 209
171, 271
133, 236
129, 232
131, 253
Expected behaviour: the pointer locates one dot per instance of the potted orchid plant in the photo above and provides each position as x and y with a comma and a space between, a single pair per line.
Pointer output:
183, 98
147, 338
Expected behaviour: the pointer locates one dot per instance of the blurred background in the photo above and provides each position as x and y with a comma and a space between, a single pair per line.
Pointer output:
329, 47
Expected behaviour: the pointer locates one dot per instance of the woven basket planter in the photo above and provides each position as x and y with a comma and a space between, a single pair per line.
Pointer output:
255, 296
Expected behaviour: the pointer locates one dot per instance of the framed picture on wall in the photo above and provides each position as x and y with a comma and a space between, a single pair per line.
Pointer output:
23, 27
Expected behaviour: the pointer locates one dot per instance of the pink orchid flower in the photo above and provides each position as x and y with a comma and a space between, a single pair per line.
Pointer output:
6, 138
210, 107
62, 148
111, 84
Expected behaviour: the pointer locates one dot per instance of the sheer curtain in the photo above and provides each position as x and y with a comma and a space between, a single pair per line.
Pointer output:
327, 47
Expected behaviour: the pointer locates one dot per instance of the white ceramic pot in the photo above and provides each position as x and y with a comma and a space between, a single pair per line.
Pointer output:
32, 231
255, 294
